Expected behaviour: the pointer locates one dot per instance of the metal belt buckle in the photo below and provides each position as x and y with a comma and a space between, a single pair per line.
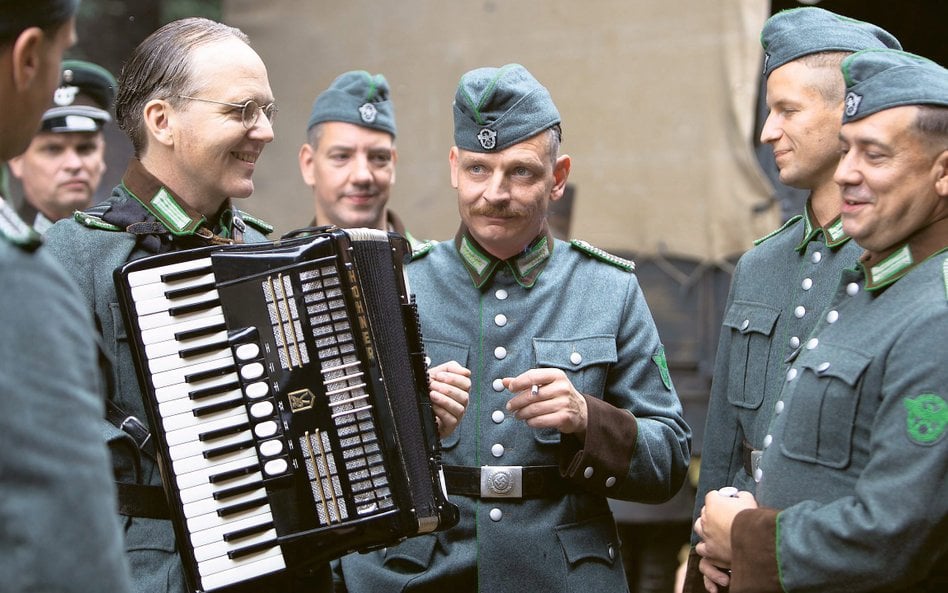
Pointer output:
501, 481
133, 427
755, 460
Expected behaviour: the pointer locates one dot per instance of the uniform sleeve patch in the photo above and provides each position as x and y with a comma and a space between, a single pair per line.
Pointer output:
659, 359
926, 418
621, 263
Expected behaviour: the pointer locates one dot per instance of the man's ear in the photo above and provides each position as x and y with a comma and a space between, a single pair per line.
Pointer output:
560, 175
16, 166
941, 174
453, 159
306, 164
159, 121
27, 61
394, 162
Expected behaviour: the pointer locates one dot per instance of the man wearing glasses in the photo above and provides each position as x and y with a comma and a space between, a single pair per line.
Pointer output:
196, 102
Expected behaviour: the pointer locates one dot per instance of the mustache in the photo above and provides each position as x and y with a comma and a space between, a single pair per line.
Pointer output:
499, 211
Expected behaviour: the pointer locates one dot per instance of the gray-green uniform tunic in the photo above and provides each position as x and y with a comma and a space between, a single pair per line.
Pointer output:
857, 453
58, 527
91, 246
569, 307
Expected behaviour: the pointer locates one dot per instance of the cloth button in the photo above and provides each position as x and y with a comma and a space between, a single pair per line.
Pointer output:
745, 324
799, 312
832, 316
588, 472
759, 473
791, 374
498, 385
612, 552
807, 283
576, 358
823, 367
778, 407
501, 294
816, 257
496, 514
852, 288
500, 320
497, 416
500, 352
610, 482
794, 342
812, 343
768, 440
497, 450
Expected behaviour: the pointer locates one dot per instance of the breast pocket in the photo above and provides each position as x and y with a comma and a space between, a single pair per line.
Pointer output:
821, 411
749, 356
585, 361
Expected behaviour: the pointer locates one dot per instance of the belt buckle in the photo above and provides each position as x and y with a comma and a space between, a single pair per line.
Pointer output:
501, 481
756, 455
134, 427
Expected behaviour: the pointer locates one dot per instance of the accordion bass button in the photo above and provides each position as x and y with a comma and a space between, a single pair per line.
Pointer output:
254, 370
247, 351
262, 409
275, 467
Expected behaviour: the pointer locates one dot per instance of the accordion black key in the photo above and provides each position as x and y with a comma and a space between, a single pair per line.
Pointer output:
287, 390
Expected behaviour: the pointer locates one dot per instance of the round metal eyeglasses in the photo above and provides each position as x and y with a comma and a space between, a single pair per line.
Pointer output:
249, 111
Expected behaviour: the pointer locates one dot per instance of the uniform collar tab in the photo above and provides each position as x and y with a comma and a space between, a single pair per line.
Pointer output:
525, 267
887, 267
833, 233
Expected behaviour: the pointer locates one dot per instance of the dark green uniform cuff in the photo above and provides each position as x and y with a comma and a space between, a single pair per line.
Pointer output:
754, 552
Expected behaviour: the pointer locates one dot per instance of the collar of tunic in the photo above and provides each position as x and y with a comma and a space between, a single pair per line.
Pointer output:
525, 266
833, 234
886, 267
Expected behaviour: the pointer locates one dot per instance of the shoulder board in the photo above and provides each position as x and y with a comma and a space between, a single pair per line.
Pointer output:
785, 226
92, 218
17, 232
944, 273
421, 249
621, 263
261, 225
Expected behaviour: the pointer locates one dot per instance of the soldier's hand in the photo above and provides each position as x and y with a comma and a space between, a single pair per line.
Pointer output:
713, 525
450, 390
546, 398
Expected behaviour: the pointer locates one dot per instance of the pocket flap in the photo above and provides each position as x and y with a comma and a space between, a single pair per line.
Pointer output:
594, 539
830, 360
575, 353
440, 351
416, 551
747, 317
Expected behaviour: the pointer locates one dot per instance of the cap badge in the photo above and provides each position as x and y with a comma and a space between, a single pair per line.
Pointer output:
852, 103
487, 138
65, 95
368, 112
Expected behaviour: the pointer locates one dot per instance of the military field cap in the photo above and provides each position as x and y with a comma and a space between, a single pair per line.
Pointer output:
498, 107
356, 97
881, 79
83, 99
797, 32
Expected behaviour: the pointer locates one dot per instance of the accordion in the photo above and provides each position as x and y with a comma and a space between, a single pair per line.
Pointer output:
287, 390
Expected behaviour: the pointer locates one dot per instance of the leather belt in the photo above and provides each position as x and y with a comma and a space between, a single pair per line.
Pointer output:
135, 500
506, 481
751, 458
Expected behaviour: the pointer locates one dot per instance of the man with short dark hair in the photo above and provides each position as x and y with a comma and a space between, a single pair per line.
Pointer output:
852, 493
58, 528
63, 166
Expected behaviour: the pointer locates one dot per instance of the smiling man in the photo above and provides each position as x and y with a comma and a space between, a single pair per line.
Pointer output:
63, 166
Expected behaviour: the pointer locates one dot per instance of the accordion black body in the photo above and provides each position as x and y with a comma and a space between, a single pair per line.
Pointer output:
286, 387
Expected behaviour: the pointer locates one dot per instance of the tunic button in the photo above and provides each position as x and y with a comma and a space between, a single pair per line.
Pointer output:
500, 320
791, 374
497, 416
768, 440
759, 473
576, 358
500, 352
832, 316
816, 257
794, 342
807, 283
852, 288
496, 514
610, 482
812, 343
497, 450
799, 312
498, 385
778, 407
501, 294
612, 552
588, 472
745, 324
427, 361
823, 367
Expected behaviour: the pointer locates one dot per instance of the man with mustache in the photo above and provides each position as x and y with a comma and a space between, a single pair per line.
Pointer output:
571, 401
61, 170
852, 493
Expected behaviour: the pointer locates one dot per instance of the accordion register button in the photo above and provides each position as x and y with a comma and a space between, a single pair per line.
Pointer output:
265, 429
261, 409
247, 351
251, 371
275, 467
258, 389
271, 448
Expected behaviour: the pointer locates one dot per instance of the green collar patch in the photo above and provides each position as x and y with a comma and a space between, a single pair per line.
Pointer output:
525, 267
15, 230
774, 233
833, 233
621, 263
890, 269
659, 359
926, 418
